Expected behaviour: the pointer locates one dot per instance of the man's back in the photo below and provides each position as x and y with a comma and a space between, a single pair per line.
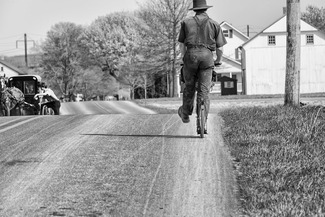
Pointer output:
201, 30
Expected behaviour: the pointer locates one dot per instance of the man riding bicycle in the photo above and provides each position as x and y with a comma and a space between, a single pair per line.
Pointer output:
199, 37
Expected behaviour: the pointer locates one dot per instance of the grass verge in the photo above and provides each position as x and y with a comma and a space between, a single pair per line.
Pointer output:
279, 159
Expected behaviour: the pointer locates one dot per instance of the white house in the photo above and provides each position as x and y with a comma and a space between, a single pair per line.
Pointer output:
8, 70
264, 60
234, 38
231, 65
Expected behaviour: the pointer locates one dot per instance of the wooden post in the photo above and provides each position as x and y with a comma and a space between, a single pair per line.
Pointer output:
25, 39
292, 83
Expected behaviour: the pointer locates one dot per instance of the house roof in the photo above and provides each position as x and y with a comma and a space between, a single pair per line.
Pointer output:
20, 72
238, 31
228, 59
304, 27
229, 65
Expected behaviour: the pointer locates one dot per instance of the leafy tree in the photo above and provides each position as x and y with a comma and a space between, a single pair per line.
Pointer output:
114, 44
136, 75
91, 84
61, 56
110, 38
164, 18
315, 16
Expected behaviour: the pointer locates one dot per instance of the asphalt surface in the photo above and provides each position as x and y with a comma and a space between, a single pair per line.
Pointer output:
102, 107
122, 164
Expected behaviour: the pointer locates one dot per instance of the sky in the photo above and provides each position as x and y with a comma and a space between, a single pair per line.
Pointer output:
36, 17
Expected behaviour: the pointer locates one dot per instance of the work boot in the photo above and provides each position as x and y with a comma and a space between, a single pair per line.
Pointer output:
185, 118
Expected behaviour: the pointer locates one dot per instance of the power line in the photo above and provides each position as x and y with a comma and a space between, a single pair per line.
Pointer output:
10, 51
21, 37
37, 34
6, 43
13, 36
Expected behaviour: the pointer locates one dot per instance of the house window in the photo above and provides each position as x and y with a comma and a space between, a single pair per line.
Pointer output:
271, 40
310, 39
1, 69
228, 33
225, 33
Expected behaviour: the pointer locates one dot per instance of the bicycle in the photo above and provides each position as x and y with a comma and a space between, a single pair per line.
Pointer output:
201, 119
200, 107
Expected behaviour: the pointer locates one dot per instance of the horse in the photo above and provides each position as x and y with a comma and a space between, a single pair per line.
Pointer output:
10, 97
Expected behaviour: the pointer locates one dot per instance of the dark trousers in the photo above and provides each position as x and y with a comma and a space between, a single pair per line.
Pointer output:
198, 66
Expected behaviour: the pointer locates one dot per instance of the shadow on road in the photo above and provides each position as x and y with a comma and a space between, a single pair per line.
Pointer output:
149, 136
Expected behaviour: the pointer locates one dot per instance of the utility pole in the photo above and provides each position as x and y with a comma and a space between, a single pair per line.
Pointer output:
25, 39
25, 42
292, 82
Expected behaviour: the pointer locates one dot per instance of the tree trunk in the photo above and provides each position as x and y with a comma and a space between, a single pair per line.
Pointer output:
132, 93
145, 86
171, 86
175, 82
292, 83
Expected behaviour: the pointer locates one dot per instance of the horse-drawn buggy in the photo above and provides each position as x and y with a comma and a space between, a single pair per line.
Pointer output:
18, 96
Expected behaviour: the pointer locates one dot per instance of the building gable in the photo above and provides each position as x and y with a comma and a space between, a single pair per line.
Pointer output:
226, 26
234, 38
9, 70
281, 26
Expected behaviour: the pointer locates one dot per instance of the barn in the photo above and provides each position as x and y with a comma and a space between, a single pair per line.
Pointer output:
263, 60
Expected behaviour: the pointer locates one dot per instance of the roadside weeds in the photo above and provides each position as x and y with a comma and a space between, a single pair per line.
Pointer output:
279, 157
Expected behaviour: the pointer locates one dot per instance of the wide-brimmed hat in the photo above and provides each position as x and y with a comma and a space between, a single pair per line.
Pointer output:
200, 4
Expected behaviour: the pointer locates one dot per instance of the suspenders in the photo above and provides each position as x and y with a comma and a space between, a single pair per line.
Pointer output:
200, 28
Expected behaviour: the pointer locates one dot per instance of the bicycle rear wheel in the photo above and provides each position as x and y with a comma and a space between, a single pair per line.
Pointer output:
202, 120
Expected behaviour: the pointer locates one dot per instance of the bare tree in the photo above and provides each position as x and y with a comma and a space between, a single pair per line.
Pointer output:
164, 18
61, 56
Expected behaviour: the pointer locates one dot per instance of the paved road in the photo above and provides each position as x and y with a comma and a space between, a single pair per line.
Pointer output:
102, 107
113, 165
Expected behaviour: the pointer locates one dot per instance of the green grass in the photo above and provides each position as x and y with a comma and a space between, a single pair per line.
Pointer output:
279, 159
